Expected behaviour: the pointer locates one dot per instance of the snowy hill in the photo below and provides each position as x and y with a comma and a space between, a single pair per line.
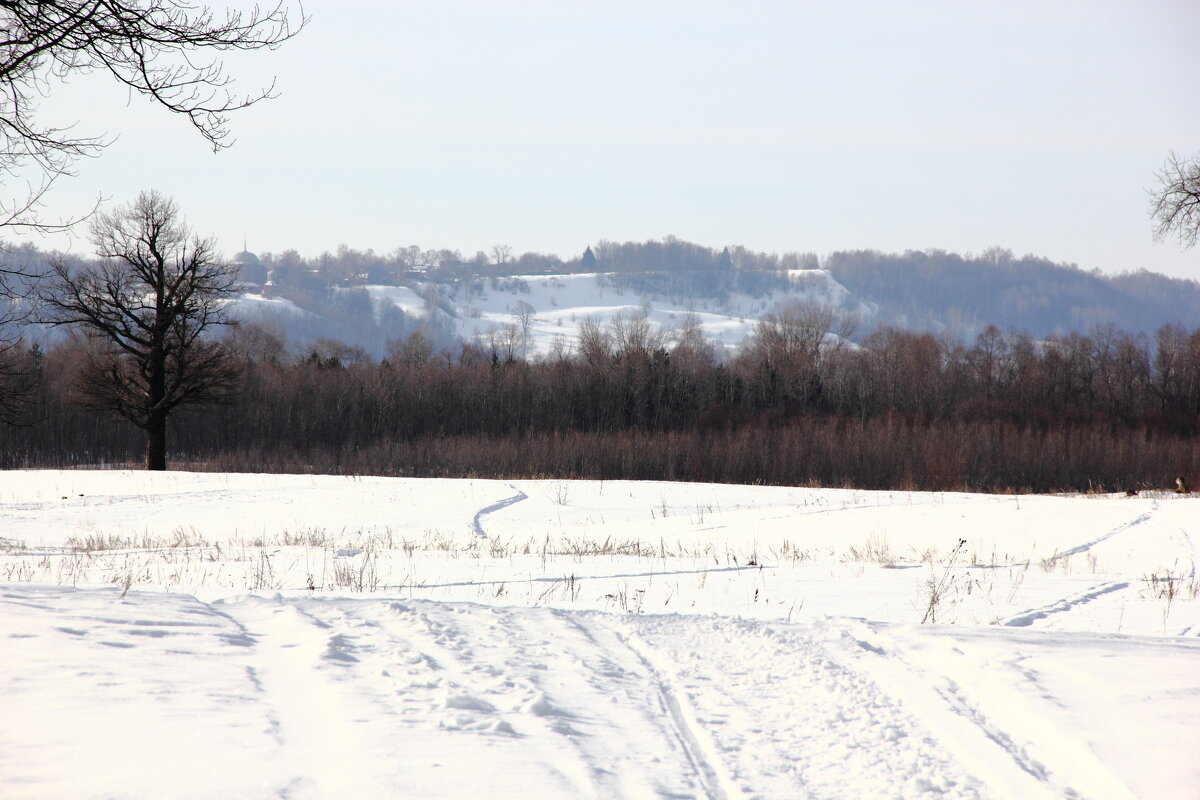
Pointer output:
935, 292
542, 308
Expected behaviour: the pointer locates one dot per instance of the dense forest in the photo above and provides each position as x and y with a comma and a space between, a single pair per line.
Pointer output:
799, 405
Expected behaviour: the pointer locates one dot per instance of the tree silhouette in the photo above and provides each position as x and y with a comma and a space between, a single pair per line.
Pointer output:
146, 308
588, 262
1175, 204
166, 51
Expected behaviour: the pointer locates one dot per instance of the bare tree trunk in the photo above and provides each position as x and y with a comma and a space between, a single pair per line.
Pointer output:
156, 442
156, 417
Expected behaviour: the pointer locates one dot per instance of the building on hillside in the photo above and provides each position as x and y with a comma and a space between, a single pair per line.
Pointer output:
249, 269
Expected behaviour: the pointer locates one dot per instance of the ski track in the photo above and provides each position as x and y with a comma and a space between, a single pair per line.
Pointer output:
577, 704
1030, 616
477, 520
563, 707
381, 698
957, 695
701, 750
1191, 630
1066, 604
728, 675
1083, 548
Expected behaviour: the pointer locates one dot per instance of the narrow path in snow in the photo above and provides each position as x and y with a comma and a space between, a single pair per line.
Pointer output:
295, 664
309, 697
696, 742
1026, 618
1083, 548
412, 699
372, 698
729, 674
979, 706
1067, 604
477, 521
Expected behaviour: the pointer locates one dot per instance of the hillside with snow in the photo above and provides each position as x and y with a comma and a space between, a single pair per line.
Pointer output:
939, 293
535, 314
368, 300
217, 635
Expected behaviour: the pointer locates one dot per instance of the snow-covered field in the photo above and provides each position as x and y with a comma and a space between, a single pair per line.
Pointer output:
211, 635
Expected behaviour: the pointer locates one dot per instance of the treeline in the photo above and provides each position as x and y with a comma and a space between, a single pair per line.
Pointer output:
917, 289
930, 290
934, 289
799, 405
669, 254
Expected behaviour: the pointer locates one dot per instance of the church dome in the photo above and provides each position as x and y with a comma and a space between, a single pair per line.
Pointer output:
249, 268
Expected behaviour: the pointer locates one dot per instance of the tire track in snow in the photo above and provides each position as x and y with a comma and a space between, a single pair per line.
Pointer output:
558, 684
477, 521
943, 710
616, 669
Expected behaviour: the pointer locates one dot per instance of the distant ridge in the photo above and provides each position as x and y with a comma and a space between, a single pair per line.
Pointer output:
345, 296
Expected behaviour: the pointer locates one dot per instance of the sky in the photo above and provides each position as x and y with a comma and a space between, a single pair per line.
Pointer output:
780, 126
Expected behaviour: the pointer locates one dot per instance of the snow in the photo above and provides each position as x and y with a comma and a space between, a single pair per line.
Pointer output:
473, 638
402, 297
253, 306
562, 302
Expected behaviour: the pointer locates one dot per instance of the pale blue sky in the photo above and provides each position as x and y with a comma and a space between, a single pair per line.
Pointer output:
778, 125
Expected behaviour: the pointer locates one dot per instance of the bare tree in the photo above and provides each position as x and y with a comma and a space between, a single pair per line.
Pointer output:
501, 254
1175, 202
505, 343
692, 350
634, 335
415, 350
801, 333
166, 51
525, 314
595, 343
17, 285
146, 308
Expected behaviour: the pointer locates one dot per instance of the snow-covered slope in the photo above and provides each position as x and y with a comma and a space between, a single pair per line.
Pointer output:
557, 304
202, 635
560, 302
